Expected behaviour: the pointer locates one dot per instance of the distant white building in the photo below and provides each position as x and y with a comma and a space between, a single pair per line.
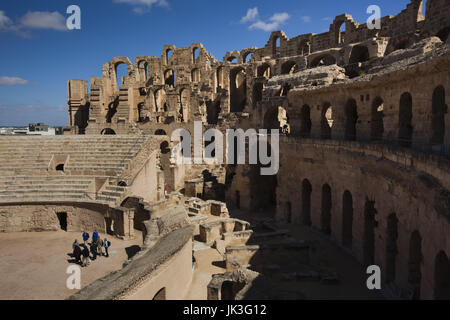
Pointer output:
38, 129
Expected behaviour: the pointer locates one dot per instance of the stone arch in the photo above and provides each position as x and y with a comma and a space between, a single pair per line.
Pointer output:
415, 260
238, 89
184, 105
305, 121
107, 131
376, 123
405, 128
351, 118
276, 43
439, 109
220, 75
391, 247
369, 233
442, 277
160, 100
264, 70
160, 132
340, 29
304, 47
120, 73
359, 54
326, 122
232, 59
169, 78
347, 219
325, 218
306, 202
168, 55
289, 67
195, 54
322, 60
275, 118
247, 56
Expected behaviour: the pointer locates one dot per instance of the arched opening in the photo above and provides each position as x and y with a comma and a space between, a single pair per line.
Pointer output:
195, 75
376, 123
405, 128
264, 71
263, 194
306, 202
184, 105
238, 85
415, 264
359, 54
169, 54
169, 78
143, 70
275, 118
369, 233
305, 118
326, 123
391, 247
326, 209
439, 109
325, 60
276, 43
62, 218
347, 219
195, 54
443, 34
164, 147
160, 100
442, 277
232, 59
112, 110
160, 295
248, 57
160, 132
60, 167
122, 184
340, 32
213, 110
107, 131
257, 93
121, 72
220, 78
351, 118
288, 67
140, 109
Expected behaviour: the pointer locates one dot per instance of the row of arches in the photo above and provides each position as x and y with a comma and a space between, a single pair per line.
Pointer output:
405, 117
391, 250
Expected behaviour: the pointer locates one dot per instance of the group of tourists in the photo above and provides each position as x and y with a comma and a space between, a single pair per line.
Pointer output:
85, 252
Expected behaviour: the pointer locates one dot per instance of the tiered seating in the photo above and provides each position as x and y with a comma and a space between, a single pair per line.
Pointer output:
27, 172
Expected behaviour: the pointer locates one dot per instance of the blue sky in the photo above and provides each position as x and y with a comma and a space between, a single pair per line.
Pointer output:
38, 55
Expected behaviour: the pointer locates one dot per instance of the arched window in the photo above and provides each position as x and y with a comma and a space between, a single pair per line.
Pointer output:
376, 123
169, 54
405, 128
351, 118
306, 202
415, 264
439, 109
369, 233
391, 247
195, 54
327, 121
325, 218
305, 116
121, 70
347, 219
169, 78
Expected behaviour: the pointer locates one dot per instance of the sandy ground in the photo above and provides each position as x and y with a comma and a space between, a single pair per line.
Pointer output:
33, 265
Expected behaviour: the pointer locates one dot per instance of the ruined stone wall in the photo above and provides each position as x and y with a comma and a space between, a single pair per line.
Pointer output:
381, 184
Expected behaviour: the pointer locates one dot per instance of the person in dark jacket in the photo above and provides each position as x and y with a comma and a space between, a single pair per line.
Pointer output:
107, 244
85, 254
85, 237
93, 248
77, 253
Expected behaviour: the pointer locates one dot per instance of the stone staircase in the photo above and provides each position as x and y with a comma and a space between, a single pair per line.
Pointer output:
29, 173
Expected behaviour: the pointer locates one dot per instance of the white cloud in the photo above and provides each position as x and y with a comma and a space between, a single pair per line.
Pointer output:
252, 15
44, 20
275, 21
306, 19
142, 6
12, 81
5, 22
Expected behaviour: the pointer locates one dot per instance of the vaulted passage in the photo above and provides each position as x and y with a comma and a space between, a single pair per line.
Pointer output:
376, 123
289, 67
415, 264
391, 247
306, 202
369, 233
405, 129
305, 116
351, 118
347, 219
326, 122
359, 54
238, 90
442, 277
438, 117
326, 209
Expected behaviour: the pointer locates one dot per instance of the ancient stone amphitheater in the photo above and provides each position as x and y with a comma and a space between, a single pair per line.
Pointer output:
364, 164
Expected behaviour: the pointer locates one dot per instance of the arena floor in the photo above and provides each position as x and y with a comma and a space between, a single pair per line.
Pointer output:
33, 265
